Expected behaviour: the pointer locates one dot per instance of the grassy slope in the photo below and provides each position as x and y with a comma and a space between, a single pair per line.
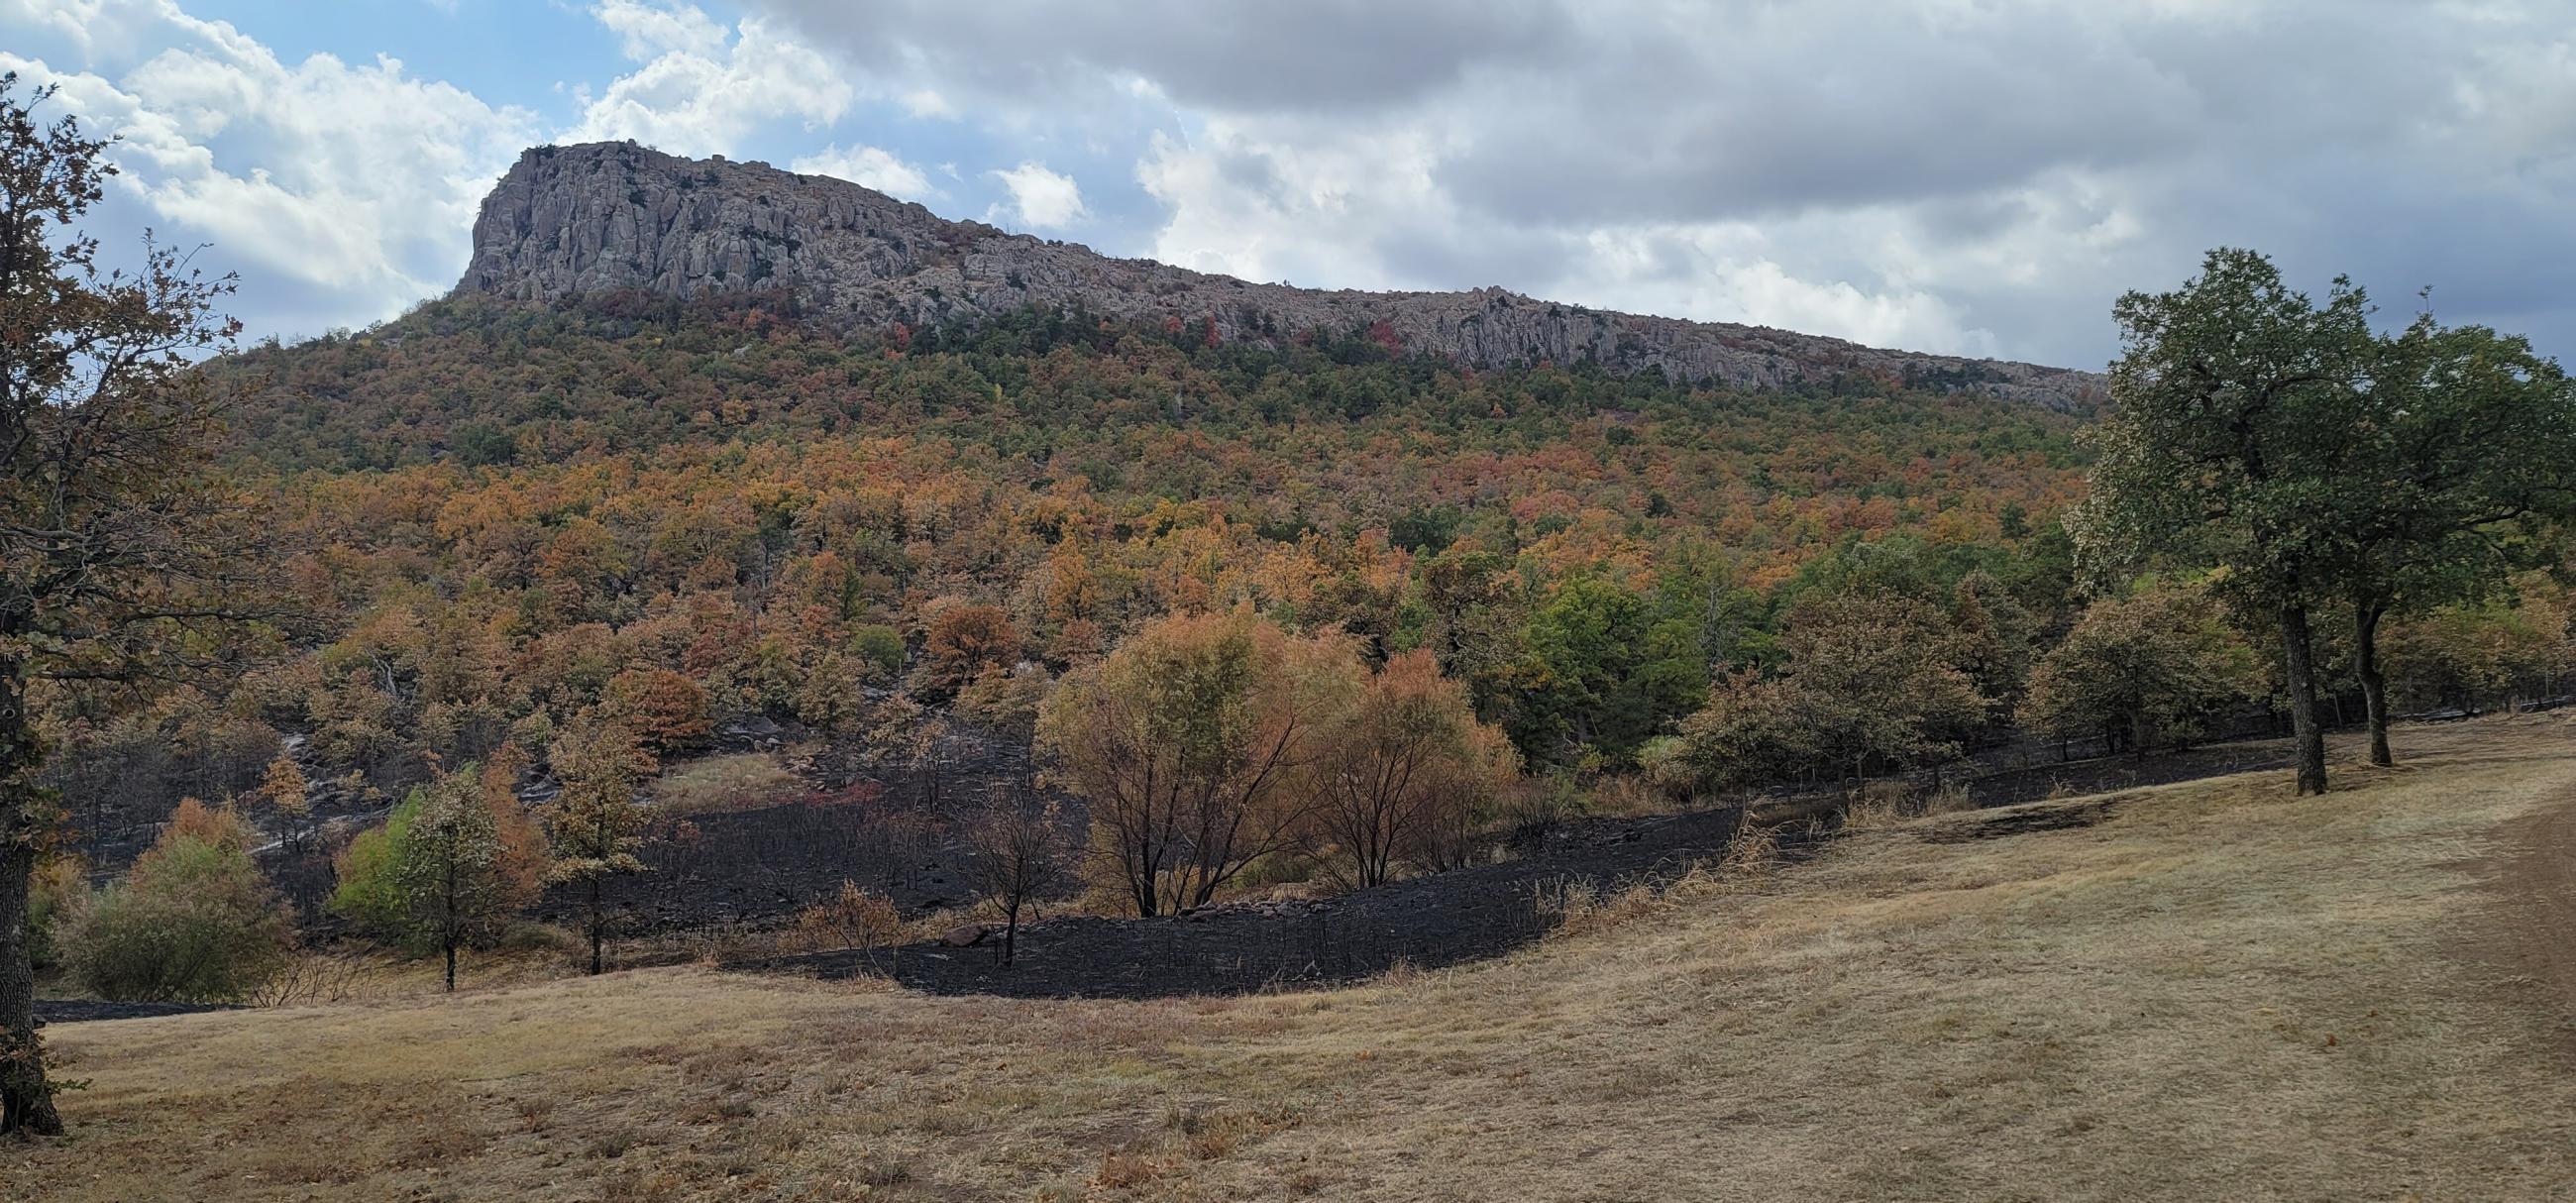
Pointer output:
2216, 992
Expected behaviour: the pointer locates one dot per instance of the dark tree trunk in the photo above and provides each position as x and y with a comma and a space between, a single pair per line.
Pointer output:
1011, 933
594, 927
451, 964
26, 1099
2374, 684
2299, 658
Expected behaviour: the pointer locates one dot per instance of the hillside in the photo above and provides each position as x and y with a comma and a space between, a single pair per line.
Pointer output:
719, 490
2189, 992
570, 221
497, 519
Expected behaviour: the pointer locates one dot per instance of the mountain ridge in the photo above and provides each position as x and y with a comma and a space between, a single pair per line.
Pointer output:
567, 221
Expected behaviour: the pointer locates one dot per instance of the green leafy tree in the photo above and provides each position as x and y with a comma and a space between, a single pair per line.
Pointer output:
2469, 440
880, 646
1870, 682
2143, 670
1991, 634
119, 554
1605, 666
370, 872
1747, 734
1875, 683
2230, 445
1469, 611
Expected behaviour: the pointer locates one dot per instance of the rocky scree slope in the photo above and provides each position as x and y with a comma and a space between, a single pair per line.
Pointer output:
610, 216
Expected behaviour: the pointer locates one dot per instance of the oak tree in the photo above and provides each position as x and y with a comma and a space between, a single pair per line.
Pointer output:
452, 879
117, 545
2231, 445
2467, 438
2142, 671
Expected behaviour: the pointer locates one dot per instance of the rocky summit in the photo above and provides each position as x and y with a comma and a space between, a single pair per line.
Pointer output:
611, 216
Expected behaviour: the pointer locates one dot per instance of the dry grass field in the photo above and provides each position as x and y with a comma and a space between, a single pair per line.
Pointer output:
2204, 991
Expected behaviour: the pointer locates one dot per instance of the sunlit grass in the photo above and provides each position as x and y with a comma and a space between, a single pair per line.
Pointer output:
2213, 991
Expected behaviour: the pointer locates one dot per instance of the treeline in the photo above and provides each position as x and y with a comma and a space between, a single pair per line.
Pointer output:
1460, 622
723, 514
872, 550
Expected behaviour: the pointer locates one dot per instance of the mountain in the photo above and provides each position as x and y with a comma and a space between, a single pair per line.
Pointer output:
609, 216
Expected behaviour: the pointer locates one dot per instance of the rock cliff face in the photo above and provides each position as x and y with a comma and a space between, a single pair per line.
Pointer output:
601, 217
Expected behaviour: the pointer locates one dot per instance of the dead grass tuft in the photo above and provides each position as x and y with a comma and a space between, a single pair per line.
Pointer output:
1126, 1169
1882, 804
1576, 905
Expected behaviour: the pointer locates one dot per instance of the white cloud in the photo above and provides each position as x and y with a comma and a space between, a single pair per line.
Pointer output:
338, 189
1958, 175
1318, 214
700, 91
926, 102
1967, 174
1040, 199
648, 31
869, 166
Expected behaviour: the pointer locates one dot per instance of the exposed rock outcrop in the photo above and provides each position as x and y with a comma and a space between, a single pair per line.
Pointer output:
601, 217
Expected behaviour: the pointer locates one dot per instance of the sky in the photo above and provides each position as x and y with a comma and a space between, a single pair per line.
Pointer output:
1977, 177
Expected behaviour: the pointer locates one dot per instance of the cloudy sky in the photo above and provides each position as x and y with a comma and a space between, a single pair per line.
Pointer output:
1970, 176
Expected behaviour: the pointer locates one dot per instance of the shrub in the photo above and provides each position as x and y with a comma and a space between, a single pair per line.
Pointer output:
1535, 808
53, 891
194, 921
855, 919
370, 894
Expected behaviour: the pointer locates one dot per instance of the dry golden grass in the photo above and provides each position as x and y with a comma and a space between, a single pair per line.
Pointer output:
2212, 992
727, 782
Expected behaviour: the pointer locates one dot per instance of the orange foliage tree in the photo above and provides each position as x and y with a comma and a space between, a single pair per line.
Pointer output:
1406, 763
1188, 741
961, 643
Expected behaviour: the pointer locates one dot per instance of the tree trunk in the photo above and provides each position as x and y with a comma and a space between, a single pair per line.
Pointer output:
26, 1099
594, 926
2374, 684
1011, 933
2299, 657
451, 964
